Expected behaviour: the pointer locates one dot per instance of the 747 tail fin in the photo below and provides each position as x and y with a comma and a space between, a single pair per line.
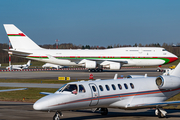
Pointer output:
18, 39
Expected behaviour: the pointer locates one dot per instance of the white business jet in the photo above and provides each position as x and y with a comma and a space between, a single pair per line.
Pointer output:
135, 92
19, 67
94, 60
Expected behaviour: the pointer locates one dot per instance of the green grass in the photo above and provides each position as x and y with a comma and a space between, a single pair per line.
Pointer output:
52, 81
29, 95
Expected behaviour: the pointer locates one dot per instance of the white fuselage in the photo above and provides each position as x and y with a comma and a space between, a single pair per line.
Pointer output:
127, 56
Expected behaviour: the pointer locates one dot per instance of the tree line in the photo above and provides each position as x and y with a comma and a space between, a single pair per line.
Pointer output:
4, 57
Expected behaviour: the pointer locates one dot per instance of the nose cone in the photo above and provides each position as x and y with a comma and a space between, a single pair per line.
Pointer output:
44, 103
174, 58
41, 104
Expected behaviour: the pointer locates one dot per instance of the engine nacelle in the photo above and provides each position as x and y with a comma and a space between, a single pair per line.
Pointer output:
90, 64
115, 66
168, 82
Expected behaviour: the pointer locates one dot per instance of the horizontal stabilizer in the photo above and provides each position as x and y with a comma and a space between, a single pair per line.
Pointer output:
16, 52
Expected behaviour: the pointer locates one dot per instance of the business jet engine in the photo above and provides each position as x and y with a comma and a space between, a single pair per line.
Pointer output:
168, 82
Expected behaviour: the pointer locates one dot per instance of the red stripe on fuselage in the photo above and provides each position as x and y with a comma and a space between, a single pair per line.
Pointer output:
118, 95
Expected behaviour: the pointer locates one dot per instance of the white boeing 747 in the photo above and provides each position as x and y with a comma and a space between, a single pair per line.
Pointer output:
132, 93
95, 60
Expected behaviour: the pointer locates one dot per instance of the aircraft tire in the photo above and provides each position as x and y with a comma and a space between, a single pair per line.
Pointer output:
56, 116
160, 115
104, 111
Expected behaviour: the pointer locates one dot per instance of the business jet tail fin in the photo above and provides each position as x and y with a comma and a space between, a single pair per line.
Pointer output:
176, 71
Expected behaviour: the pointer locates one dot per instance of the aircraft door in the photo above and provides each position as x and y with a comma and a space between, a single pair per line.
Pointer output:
94, 94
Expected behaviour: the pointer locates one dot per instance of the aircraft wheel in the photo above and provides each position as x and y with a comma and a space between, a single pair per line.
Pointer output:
97, 70
91, 70
56, 116
104, 111
160, 115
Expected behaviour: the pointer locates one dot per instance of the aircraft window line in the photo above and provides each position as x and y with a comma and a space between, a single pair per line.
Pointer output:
119, 86
113, 86
125, 85
132, 86
134, 50
94, 88
81, 89
107, 87
100, 87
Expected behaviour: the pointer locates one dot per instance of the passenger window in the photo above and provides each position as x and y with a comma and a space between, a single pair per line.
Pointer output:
132, 86
81, 89
114, 87
94, 89
120, 87
107, 87
125, 85
100, 87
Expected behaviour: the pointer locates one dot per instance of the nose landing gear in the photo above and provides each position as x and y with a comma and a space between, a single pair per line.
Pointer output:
160, 112
57, 115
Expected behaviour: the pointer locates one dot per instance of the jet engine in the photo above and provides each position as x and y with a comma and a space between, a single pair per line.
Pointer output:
168, 82
90, 64
115, 66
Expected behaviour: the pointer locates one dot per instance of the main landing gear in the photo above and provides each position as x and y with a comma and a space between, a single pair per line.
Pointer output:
160, 112
104, 111
57, 115
95, 70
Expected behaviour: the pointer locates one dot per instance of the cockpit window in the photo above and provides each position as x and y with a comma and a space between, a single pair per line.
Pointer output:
61, 88
71, 88
81, 89
164, 50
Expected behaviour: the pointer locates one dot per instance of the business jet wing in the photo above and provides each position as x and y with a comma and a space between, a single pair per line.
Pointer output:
158, 104
13, 89
46, 93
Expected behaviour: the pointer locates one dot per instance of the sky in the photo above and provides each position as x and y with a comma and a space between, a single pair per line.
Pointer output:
93, 22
